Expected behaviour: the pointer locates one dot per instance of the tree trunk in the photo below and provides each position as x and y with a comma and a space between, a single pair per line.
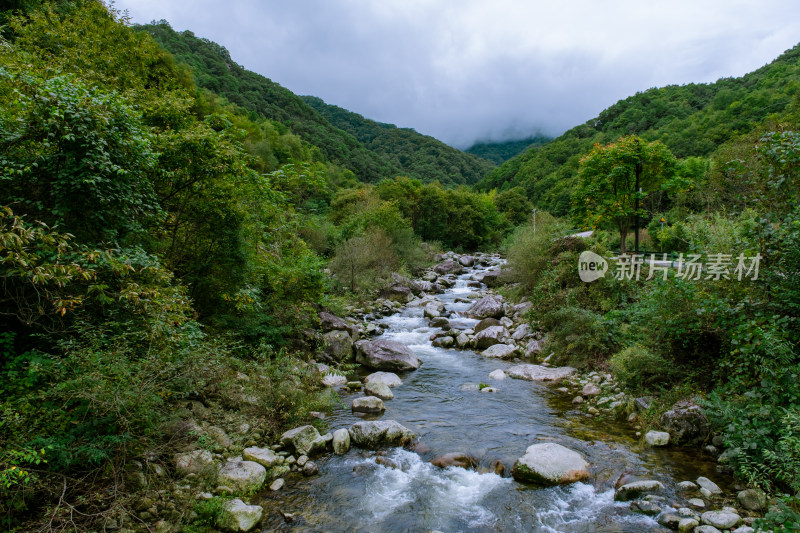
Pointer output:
623, 235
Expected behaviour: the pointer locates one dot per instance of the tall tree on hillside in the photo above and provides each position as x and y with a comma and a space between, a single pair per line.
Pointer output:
613, 179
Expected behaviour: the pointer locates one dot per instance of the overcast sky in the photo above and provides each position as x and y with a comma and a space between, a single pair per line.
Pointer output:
468, 70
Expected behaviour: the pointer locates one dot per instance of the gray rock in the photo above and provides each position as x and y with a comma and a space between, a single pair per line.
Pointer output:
485, 323
489, 337
379, 390
500, 351
687, 486
277, 484
443, 342
634, 490
645, 507
721, 519
687, 524
466, 260
521, 309
397, 293
488, 306
303, 440
577, 400
341, 441
686, 423
330, 322
377, 433
368, 404
590, 389
550, 464
221, 439
448, 267
669, 520
263, 456
521, 332
706, 529
383, 354
433, 309
657, 438
458, 459
195, 462
243, 476
709, 485
462, 340
497, 374
752, 500
532, 348
643, 403
696, 502
390, 379
540, 373
440, 322
337, 345
238, 516
743, 529
310, 469
491, 278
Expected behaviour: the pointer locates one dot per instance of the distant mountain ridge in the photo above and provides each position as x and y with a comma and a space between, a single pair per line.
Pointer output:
692, 120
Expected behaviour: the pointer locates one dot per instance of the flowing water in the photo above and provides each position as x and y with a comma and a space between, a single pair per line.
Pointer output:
442, 404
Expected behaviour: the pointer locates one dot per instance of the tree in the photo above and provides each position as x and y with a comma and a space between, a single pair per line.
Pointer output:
612, 180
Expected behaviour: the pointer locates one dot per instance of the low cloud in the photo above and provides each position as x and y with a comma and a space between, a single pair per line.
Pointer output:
476, 70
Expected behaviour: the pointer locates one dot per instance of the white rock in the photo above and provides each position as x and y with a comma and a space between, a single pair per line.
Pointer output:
263, 456
244, 476
500, 351
333, 380
550, 464
341, 441
721, 519
540, 373
657, 438
194, 462
368, 404
709, 485
390, 379
277, 484
497, 374
379, 390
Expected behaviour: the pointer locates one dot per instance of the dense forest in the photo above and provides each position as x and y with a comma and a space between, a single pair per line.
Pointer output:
418, 156
171, 225
500, 152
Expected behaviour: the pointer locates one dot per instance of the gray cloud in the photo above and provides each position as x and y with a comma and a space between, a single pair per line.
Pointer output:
476, 70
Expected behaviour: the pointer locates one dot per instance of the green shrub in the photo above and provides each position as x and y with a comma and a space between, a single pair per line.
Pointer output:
640, 369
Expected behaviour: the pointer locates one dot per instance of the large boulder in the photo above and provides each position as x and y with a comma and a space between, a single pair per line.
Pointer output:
433, 309
488, 306
403, 281
533, 347
448, 267
485, 323
491, 278
721, 519
238, 516
466, 260
194, 462
341, 441
384, 354
489, 337
636, 489
550, 464
522, 331
330, 322
657, 438
303, 439
242, 476
377, 433
540, 373
368, 404
337, 345
500, 351
686, 423
752, 499
397, 293
389, 379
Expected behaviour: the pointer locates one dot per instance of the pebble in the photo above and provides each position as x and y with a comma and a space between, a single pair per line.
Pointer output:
277, 484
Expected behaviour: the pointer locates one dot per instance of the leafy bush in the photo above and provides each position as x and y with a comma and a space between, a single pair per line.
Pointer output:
640, 369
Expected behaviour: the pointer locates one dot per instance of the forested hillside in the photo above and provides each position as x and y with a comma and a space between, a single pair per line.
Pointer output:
419, 156
500, 152
213, 69
692, 120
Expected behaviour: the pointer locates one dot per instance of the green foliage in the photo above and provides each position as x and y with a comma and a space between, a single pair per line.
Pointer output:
214, 70
615, 179
639, 369
412, 154
500, 152
363, 263
74, 156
